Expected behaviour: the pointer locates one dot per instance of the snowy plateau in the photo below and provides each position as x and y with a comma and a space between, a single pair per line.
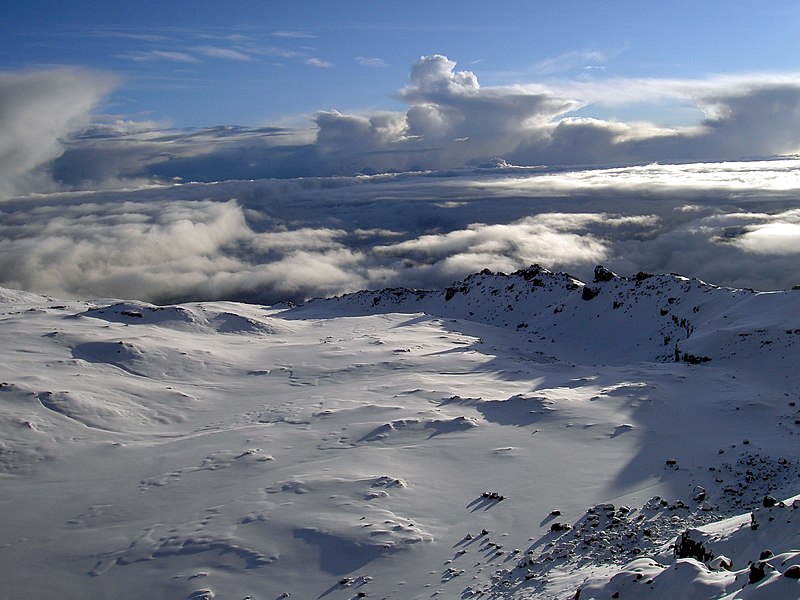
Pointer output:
523, 435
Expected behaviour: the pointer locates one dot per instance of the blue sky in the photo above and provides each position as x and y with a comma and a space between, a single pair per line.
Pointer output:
204, 63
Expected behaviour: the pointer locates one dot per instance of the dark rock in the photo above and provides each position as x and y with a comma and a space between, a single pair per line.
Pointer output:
792, 572
493, 496
686, 547
756, 572
588, 293
603, 274
699, 494
694, 360
765, 554
769, 501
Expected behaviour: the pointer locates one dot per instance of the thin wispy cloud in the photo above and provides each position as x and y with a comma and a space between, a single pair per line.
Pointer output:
319, 63
128, 35
293, 34
365, 61
570, 61
155, 55
277, 51
223, 53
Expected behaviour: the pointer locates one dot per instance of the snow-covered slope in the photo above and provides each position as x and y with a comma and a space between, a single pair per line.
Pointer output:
523, 435
611, 320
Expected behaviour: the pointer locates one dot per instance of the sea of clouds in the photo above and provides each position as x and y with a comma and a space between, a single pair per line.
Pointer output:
469, 177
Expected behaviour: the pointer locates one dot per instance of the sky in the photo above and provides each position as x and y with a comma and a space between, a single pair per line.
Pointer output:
280, 150
256, 63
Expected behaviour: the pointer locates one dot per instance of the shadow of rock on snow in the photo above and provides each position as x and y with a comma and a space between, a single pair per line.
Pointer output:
337, 554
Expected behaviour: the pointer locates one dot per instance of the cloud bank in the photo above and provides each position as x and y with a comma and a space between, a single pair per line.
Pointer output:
286, 214
272, 240
451, 122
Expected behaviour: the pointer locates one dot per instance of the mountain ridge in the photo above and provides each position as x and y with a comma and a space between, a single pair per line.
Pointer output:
650, 317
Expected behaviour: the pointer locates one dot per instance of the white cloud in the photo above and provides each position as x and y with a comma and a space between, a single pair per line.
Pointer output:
777, 235
275, 51
570, 60
436, 74
170, 55
318, 62
293, 34
37, 110
524, 242
224, 53
365, 61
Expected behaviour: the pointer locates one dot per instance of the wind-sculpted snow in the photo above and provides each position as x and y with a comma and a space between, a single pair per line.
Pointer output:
510, 436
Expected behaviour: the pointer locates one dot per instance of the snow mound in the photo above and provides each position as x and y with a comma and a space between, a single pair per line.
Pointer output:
207, 317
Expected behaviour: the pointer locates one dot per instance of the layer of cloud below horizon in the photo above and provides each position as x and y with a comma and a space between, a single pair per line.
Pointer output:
267, 241
271, 240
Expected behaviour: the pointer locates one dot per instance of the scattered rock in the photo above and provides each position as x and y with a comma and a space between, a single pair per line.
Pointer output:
686, 547
492, 496
756, 572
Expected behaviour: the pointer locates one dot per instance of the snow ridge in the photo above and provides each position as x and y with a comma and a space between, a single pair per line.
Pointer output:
612, 320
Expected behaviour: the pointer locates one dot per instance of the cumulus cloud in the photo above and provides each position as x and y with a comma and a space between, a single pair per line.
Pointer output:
37, 110
452, 121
